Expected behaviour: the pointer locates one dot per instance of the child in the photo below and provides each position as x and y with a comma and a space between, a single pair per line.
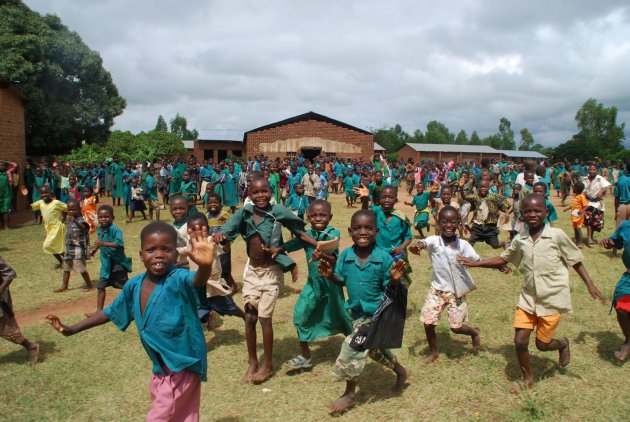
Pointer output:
545, 253
77, 239
151, 193
319, 311
189, 191
540, 188
9, 328
350, 182
74, 191
365, 270
514, 223
52, 213
137, 200
446, 196
214, 296
217, 217
260, 225
421, 202
163, 303
179, 211
298, 203
621, 296
486, 214
376, 187
114, 264
577, 207
443, 251
88, 207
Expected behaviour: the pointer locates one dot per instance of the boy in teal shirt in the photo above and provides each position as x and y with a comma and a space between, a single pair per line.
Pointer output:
365, 270
163, 300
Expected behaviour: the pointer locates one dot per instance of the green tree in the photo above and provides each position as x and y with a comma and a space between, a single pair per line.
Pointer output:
391, 138
461, 138
527, 141
506, 135
599, 129
418, 137
179, 126
438, 133
494, 141
161, 126
475, 139
71, 97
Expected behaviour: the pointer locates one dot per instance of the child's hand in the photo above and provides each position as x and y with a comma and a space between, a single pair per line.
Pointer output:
202, 252
218, 237
55, 322
415, 249
397, 251
194, 231
436, 186
362, 191
596, 294
272, 251
98, 242
465, 261
607, 243
505, 269
462, 181
398, 270
325, 269
222, 219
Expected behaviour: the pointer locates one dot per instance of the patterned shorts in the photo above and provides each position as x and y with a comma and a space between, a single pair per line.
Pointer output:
434, 305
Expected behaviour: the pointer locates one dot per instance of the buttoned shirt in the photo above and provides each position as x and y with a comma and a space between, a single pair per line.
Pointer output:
592, 188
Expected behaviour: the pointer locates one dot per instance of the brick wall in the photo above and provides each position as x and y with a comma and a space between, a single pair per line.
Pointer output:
12, 130
343, 141
230, 148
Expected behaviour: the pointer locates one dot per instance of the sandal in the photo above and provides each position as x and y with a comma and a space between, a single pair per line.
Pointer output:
299, 362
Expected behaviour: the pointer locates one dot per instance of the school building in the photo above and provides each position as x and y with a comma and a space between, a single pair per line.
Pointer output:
310, 134
12, 126
447, 152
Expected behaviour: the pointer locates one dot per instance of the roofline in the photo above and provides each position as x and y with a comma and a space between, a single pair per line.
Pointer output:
311, 115
494, 151
11, 86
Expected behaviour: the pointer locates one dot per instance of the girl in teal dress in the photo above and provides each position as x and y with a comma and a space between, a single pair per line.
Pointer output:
230, 189
421, 202
188, 190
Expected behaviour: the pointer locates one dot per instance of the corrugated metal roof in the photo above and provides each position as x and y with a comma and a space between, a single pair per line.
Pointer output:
311, 115
377, 147
189, 144
471, 149
521, 154
230, 135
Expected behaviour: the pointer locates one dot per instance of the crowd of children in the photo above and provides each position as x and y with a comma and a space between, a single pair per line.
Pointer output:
188, 262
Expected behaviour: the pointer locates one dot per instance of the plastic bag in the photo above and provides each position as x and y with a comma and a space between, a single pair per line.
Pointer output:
388, 323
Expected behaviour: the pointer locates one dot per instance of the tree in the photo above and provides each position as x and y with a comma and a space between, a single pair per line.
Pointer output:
462, 138
179, 126
391, 138
506, 135
474, 139
598, 127
527, 141
71, 97
418, 137
494, 141
437, 133
161, 126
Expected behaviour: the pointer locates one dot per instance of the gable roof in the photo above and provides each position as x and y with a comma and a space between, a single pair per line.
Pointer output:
309, 116
471, 149
377, 147
220, 135
521, 154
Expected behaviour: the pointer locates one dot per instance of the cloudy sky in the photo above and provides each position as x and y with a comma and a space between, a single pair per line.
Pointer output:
240, 64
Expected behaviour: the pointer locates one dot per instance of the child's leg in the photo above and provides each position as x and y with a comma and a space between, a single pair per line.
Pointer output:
430, 316
144, 216
562, 345
306, 351
100, 299
579, 242
624, 322
175, 396
521, 344
472, 332
457, 309
251, 318
429, 330
88, 281
386, 358
11, 331
64, 283
265, 371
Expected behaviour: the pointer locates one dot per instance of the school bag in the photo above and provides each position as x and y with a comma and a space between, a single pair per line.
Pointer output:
388, 322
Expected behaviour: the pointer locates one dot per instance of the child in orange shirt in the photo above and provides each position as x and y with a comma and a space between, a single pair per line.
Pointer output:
577, 207
88, 207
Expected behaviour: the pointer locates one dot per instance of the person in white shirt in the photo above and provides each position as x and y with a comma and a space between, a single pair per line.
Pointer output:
595, 186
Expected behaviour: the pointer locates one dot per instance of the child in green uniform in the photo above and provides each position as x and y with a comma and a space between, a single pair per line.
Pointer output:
365, 270
540, 188
349, 183
319, 311
421, 202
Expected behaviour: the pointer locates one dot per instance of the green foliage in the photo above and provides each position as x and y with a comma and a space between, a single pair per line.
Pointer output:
506, 135
391, 138
475, 139
462, 138
179, 126
161, 126
71, 97
598, 128
527, 140
438, 133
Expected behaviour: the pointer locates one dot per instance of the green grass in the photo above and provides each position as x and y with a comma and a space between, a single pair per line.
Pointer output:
103, 374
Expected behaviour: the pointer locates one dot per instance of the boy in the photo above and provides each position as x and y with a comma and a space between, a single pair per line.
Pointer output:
350, 182
577, 207
486, 214
152, 194
545, 253
137, 200
540, 188
260, 225
76, 247
298, 203
376, 187
179, 211
114, 264
365, 270
443, 251
446, 196
421, 202
163, 303
319, 311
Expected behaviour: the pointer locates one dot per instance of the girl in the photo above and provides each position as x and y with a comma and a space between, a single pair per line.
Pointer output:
52, 213
88, 207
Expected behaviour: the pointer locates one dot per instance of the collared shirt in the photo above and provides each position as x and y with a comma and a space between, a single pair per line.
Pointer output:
169, 329
311, 183
107, 254
622, 189
592, 188
545, 265
487, 208
76, 239
392, 233
443, 257
297, 203
365, 283
621, 237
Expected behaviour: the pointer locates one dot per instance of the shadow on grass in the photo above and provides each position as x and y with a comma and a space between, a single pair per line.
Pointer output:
224, 338
325, 352
20, 355
376, 383
608, 343
453, 346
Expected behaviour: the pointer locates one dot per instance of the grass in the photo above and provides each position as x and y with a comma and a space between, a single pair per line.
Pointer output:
103, 374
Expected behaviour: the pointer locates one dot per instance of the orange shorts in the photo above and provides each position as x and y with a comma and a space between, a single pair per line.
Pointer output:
545, 325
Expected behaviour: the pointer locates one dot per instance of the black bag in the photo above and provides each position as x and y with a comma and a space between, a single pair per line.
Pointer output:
359, 337
388, 323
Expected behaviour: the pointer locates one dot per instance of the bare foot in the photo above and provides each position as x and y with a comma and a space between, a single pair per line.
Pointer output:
87, 288
476, 340
402, 375
61, 289
430, 359
33, 353
343, 403
623, 353
262, 375
251, 370
565, 355
89, 314
518, 386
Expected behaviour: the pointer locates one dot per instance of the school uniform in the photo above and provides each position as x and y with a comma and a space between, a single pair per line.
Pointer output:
621, 296
298, 204
421, 217
114, 264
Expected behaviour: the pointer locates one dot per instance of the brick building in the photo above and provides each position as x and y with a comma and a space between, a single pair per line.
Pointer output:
447, 152
310, 134
218, 144
12, 129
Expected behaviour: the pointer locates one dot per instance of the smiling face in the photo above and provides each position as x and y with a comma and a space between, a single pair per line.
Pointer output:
533, 210
214, 205
484, 186
179, 208
448, 220
363, 229
73, 208
388, 198
45, 194
319, 215
158, 253
260, 193
447, 194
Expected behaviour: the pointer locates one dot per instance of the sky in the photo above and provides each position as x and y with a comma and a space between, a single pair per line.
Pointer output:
241, 64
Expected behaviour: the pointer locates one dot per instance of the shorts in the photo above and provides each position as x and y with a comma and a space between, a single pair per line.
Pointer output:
223, 305
623, 304
545, 325
488, 233
435, 303
117, 280
261, 288
77, 265
175, 396
623, 214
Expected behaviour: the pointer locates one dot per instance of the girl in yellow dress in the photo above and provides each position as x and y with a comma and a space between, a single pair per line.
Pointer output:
52, 213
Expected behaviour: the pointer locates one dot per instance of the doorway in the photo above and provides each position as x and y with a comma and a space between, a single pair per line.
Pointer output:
310, 153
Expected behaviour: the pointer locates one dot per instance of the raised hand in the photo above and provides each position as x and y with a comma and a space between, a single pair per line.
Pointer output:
202, 252
325, 269
362, 191
398, 270
55, 322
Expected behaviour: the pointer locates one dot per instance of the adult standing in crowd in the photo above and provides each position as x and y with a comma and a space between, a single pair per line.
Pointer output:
595, 187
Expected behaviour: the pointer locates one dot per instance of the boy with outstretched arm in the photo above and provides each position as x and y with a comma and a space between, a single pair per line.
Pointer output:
365, 270
545, 254
163, 303
260, 225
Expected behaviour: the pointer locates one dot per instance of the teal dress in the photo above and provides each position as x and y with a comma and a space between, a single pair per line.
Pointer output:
176, 178
230, 190
116, 171
319, 311
127, 187
421, 217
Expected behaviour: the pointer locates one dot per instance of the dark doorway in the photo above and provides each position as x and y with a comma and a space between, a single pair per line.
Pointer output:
208, 154
310, 153
222, 155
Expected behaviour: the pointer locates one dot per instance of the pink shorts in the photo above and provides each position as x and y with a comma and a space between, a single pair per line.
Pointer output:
175, 396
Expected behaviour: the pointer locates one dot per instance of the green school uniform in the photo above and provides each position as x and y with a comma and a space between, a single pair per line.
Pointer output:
110, 256
392, 233
421, 202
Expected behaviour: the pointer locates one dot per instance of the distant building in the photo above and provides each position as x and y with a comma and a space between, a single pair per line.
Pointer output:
217, 144
514, 155
12, 126
447, 152
378, 149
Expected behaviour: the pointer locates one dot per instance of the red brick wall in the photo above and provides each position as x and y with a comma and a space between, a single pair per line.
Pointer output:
310, 129
12, 130
232, 149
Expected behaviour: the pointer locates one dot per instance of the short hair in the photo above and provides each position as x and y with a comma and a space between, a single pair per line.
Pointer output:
158, 227
390, 187
447, 187
215, 196
197, 217
176, 198
532, 197
260, 179
321, 202
74, 201
363, 213
540, 184
578, 186
107, 208
448, 208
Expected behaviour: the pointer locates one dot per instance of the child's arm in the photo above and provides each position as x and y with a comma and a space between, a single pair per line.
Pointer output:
419, 246
398, 270
592, 289
326, 269
98, 318
202, 254
364, 196
496, 262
